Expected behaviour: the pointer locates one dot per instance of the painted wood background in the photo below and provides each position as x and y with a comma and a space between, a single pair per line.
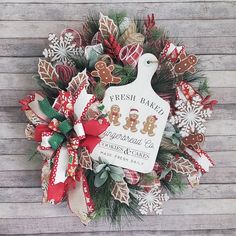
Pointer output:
207, 28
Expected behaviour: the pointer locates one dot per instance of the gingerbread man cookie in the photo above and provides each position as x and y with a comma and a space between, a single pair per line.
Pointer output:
104, 73
114, 115
149, 125
132, 120
193, 140
186, 63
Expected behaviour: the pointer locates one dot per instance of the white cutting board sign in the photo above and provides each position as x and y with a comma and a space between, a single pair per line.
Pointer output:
138, 118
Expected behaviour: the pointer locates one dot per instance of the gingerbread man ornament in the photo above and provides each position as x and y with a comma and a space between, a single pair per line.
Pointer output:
193, 140
104, 73
186, 63
124, 145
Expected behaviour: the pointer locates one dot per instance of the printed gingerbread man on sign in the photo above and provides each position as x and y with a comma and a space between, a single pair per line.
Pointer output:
186, 63
149, 125
132, 120
104, 73
114, 115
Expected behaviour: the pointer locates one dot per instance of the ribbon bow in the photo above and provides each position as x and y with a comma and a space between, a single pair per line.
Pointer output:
63, 130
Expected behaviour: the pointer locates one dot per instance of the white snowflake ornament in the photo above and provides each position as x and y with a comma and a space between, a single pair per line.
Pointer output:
61, 49
190, 116
151, 200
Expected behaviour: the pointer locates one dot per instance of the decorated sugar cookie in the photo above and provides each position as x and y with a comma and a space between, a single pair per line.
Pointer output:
104, 72
186, 63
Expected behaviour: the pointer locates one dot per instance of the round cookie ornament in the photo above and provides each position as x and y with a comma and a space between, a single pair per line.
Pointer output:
137, 123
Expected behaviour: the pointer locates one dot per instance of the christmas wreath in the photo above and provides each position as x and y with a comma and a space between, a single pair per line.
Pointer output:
109, 144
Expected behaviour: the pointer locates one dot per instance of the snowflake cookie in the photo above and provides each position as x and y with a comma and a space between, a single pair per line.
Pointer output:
151, 200
61, 49
190, 116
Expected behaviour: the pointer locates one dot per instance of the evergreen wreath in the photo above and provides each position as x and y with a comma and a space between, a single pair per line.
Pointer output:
67, 117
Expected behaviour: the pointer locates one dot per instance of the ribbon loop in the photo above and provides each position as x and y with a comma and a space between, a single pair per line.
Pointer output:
130, 54
56, 140
47, 109
65, 127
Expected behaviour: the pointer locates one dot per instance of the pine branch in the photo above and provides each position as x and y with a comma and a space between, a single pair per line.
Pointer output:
176, 184
99, 91
193, 77
127, 73
33, 155
139, 24
203, 88
117, 17
163, 158
163, 83
80, 62
106, 206
91, 27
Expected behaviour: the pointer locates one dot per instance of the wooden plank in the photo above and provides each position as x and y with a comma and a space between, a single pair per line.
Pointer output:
18, 81
19, 179
20, 195
105, 1
173, 207
221, 127
31, 178
224, 159
203, 191
217, 232
18, 146
10, 98
23, 162
13, 114
26, 82
222, 143
20, 162
221, 78
9, 129
177, 28
224, 127
72, 224
216, 62
224, 111
28, 65
211, 191
193, 11
24, 47
23, 146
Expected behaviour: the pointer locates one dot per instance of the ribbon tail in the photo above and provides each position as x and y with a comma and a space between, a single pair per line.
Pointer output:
80, 201
45, 175
200, 159
57, 186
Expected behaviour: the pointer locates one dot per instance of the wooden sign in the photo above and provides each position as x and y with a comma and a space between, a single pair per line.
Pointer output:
138, 118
